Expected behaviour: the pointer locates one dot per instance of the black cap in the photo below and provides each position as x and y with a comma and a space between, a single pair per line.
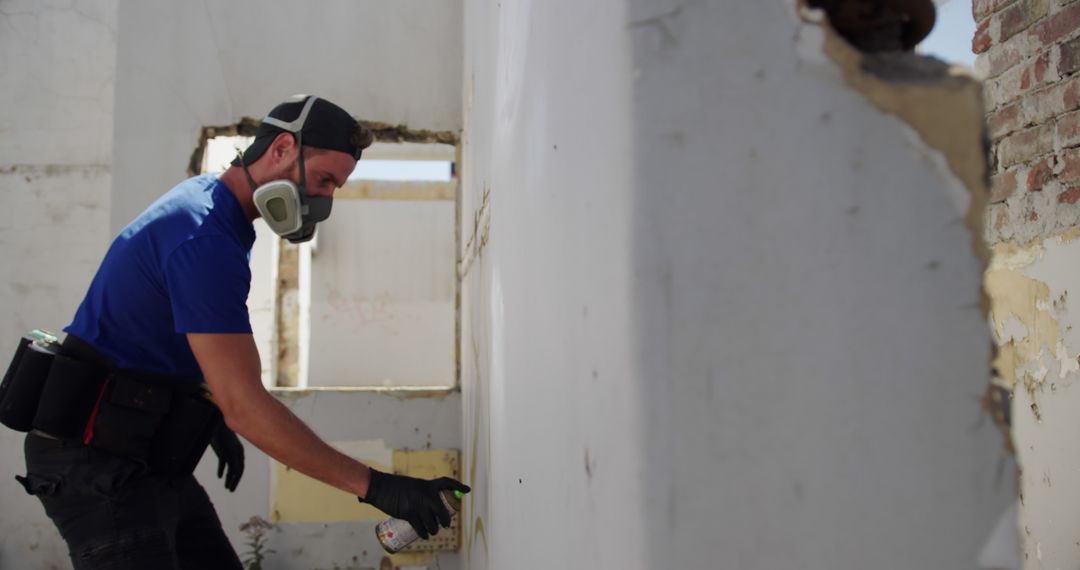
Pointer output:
318, 122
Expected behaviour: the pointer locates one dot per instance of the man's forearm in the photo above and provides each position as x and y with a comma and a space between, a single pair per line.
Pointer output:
270, 426
230, 364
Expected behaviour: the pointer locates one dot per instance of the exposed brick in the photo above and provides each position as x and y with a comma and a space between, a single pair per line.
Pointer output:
1068, 130
1027, 43
1006, 87
1070, 57
1054, 100
1025, 145
1035, 73
983, 8
1040, 174
1003, 121
1038, 69
1070, 196
1020, 16
1058, 25
982, 41
1070, 165
1002, 60
1070, 95
1002, 185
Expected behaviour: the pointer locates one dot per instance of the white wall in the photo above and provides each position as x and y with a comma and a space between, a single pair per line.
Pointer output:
548, 374
727, 311
56, 99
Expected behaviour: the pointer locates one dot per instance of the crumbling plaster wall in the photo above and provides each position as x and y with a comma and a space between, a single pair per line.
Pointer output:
1035, 327
57, 60
721, 300
1029, 50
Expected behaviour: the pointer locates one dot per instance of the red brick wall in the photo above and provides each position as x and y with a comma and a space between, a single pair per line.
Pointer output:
1029, 52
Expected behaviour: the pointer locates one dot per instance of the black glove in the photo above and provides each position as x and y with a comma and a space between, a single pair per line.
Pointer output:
414, 500
230, 454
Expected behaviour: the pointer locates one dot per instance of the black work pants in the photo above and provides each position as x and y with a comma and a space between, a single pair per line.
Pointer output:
117, 514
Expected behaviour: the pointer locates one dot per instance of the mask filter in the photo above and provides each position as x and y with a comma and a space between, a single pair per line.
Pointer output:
279, 205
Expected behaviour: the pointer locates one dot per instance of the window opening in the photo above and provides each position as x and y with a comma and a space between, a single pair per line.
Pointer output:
372, 301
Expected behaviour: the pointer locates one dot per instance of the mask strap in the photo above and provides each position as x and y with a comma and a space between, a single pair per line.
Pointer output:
297, 124
300, 148
296, 127
250, 180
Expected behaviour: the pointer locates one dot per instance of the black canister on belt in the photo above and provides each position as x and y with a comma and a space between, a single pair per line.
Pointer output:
25, 379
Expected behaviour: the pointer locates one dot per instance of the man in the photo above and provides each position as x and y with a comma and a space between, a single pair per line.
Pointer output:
166, 312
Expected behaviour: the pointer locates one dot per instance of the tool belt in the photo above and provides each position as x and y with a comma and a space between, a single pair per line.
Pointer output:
71, 392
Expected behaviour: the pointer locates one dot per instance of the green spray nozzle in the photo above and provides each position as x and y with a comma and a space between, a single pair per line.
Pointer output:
459, 494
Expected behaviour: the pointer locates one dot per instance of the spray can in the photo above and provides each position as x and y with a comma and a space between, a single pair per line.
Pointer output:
396, 534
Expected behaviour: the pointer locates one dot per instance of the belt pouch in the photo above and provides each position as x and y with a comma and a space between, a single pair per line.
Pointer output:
130, 412
70, 392
23, 390
184, 434
24, 342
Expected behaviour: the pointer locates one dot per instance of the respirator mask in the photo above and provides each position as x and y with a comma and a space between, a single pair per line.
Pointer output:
286, 206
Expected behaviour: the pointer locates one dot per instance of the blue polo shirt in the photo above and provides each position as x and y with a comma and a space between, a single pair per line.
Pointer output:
181, 267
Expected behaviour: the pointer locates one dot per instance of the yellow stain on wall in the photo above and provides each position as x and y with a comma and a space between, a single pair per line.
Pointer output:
297, 498
401, 559
1015, 295
426, 463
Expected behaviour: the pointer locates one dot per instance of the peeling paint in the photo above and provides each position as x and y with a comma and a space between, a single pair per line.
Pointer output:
1014, 302
1033, 327
478, 239
1011, 330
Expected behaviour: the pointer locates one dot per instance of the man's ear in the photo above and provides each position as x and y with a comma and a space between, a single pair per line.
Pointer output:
281, 148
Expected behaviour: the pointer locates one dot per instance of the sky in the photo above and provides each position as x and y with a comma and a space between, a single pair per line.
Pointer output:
951, 38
